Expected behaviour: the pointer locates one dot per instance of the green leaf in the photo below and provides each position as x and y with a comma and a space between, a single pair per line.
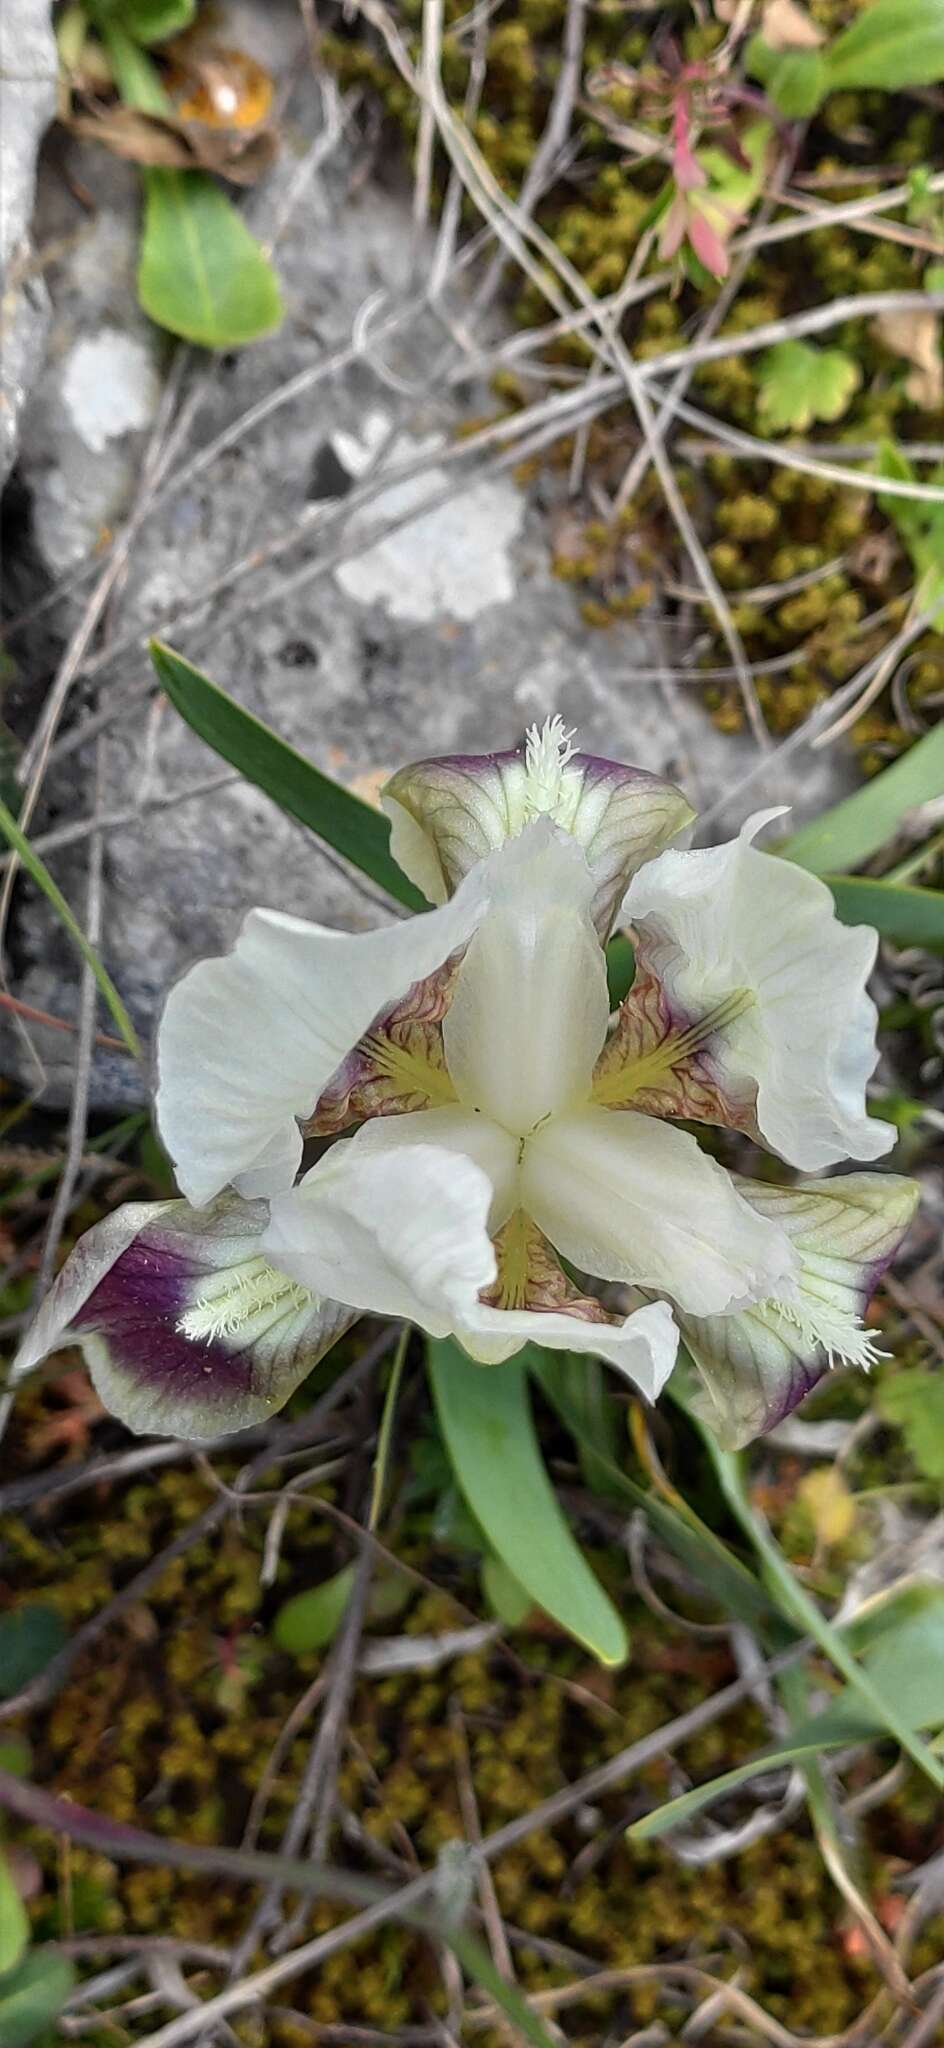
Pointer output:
800, 384
914, 1402
904, 1652
361, 834
42, 877
32, 1996
14, 1922
905, 915
505, 1596
894, 43
478, 1965
853, 830
147, 21
796, 80
201, 274
30, 1638
486, 1420
311, 1620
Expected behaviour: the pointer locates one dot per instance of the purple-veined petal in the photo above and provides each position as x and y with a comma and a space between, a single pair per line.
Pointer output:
736, 934
398, 1067
448, 814
187, 1329
756, 1366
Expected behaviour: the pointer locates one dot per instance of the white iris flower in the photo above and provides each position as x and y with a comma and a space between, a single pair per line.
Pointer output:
505, 1132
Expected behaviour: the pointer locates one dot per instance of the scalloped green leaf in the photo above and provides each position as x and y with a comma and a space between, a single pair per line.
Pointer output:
800, 384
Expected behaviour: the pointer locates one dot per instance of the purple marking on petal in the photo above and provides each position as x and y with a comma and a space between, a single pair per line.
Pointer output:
805, 1374
136, 1308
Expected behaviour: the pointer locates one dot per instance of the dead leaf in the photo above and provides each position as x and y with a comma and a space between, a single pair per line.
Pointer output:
172, 142
917, 337
785, 26
828, 1503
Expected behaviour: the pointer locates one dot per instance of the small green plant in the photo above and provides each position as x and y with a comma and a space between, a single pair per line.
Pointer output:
892, 45
201, 274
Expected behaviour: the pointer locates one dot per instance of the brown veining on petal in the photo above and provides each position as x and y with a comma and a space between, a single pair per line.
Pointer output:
530, 1276
662, 1065
398, 1065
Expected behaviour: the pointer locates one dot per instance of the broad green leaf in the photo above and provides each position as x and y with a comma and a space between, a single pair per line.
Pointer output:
14, 1922
796, 80
903, 1650
361, 834
311, 1620
583, 1384
710, 1561
905, 915
201, 274
42, 877
486, 1420
853, 830
505, 1595
32, 1996
30, 1638
893, 43
800, 384
914, 1401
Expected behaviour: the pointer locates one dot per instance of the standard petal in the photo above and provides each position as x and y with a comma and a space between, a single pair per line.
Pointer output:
529, 1013
729, 922
187, 1329
755, 1366
643, 1346
626, 1198
247, 1043
400, 1228
447, 814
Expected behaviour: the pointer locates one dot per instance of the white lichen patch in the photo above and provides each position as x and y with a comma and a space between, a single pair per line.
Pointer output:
450, 562
110, 387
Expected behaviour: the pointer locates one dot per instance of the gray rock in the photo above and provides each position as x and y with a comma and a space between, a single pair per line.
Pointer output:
27, 105
452, 634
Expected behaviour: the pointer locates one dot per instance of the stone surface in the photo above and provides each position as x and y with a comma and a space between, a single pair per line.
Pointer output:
27, 104
453, 636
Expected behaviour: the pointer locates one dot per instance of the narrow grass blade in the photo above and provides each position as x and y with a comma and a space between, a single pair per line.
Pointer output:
853, 830
43, 879
797, 1606
361, 834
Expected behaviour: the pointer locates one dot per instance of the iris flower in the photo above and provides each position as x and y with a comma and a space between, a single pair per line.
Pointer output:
442, 1121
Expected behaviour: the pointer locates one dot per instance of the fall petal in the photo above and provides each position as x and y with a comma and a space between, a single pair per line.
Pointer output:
755, 1366
447, 814
186, 1327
